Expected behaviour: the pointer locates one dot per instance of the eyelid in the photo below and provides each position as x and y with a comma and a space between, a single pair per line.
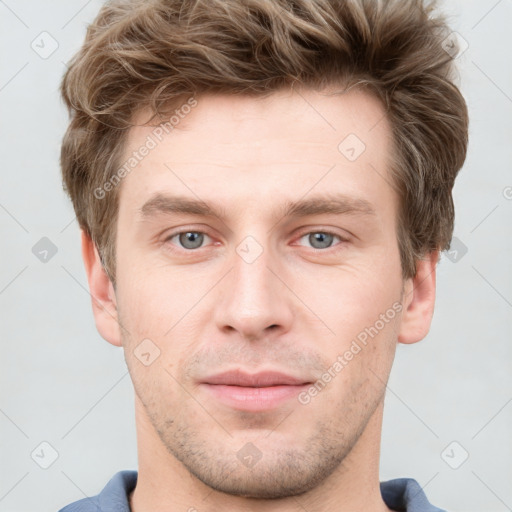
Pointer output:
320, 229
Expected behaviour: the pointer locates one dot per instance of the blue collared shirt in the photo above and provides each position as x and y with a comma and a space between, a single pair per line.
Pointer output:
401, 494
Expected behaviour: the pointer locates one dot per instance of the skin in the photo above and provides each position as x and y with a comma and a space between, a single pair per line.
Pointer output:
294, 309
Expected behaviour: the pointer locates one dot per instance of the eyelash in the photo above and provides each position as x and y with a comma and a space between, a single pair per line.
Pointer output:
324, 232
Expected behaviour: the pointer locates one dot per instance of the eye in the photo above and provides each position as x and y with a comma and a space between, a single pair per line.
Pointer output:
321, 239
191, 240
188, 239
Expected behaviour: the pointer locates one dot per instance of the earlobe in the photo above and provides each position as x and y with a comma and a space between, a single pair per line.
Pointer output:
102, 293
418, 300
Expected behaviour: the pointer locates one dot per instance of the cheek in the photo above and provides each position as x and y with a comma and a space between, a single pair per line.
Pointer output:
153, 361
355, 380
363, 312
150, 303
349, 299
154, 313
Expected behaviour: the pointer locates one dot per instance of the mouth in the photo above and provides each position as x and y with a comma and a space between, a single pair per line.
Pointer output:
257, 392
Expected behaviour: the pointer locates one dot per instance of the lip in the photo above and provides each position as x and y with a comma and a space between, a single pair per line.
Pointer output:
256, 380
257, 392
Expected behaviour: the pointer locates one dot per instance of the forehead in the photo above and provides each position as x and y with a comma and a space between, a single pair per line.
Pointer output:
301, 115
245, 148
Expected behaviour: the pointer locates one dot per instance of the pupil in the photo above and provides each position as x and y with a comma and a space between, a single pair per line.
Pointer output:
322, 238
191, 240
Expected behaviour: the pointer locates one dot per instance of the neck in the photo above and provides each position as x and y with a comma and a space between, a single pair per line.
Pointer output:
165, 484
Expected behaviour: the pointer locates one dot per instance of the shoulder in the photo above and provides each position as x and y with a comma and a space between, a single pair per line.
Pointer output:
113, 497
406, 494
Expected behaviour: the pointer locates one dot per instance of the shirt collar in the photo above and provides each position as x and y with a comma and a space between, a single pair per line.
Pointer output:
400, 494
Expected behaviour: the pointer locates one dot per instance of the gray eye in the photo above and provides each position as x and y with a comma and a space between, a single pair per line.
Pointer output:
191, 239
320, 240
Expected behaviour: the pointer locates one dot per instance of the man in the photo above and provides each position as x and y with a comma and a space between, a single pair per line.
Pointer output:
263, 188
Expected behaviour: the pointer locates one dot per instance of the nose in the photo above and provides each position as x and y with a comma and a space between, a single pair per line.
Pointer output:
254, 300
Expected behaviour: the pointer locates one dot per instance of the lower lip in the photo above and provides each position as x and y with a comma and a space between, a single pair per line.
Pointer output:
253, 399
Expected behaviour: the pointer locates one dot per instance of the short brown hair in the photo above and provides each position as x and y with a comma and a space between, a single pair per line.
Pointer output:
150, 54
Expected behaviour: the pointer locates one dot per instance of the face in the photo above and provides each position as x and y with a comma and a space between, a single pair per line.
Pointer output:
256, 236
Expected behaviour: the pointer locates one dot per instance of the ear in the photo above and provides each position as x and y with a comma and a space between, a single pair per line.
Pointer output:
102, 292
418, 300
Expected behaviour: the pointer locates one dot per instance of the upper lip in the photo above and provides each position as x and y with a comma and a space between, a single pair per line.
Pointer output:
257, 380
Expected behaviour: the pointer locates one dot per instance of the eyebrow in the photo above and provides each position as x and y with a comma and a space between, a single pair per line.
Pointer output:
336, 204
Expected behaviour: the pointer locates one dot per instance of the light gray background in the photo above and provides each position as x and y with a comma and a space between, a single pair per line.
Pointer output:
61, 383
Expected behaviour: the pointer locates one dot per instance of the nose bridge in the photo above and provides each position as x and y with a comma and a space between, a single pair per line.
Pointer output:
252, 277
254, 298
